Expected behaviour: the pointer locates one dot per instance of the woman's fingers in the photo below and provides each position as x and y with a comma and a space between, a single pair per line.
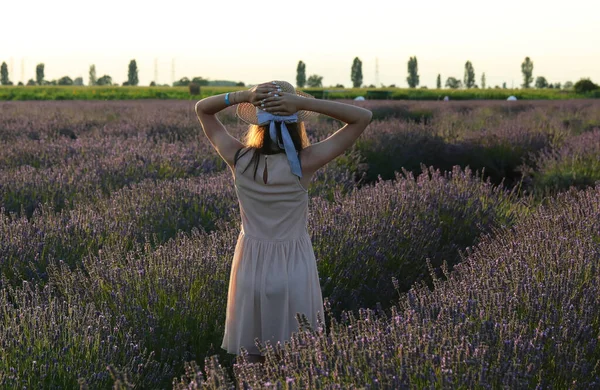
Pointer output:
269, 100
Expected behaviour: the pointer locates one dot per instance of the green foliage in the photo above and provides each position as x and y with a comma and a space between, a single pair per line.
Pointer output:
301, 74
33, 92
104, 80
438, 82
453, 83
92, 80
541, 82
66, 80
483, 80
199, 81
78, 81
413, 73
4, 74
527, 70
469, 75
585, 85
356, 74
315, 81
132, 74
183, 82
39, 74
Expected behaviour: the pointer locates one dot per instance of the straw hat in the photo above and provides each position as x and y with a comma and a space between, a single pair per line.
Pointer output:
247, 111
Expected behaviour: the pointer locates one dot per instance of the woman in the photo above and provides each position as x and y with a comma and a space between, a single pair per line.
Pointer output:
274, 273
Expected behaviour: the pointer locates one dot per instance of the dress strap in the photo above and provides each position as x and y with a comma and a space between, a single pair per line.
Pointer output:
236, 157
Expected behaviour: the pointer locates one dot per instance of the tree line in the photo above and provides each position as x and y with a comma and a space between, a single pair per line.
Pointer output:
132, 78
314, 80
468, 81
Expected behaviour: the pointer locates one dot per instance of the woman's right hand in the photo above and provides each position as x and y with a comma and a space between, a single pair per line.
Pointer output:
258, 93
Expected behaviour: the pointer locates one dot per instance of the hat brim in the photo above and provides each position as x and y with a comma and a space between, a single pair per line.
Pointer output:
247, 111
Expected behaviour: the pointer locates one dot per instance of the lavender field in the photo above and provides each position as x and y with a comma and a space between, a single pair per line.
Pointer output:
458, 246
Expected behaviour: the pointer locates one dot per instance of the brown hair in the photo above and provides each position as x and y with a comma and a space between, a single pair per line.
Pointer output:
258, 139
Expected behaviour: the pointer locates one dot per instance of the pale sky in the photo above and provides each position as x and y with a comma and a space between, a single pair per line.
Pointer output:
255, 41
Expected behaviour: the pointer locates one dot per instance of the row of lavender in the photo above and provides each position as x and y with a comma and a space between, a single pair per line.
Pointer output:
521, 311
166, 299
65, 153
137, 293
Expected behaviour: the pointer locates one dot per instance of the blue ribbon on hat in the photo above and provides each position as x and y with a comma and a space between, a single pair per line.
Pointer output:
288, 145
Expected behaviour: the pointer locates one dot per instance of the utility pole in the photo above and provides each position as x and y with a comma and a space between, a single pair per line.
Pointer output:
10, 69
173, 71
156, 71
376, 72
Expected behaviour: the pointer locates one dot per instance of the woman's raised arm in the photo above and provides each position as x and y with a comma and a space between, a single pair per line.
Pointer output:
318, 154
225, 144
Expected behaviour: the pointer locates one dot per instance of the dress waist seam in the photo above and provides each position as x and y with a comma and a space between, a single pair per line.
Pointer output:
297, 238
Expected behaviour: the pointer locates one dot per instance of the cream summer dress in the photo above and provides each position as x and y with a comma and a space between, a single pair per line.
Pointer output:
274, 271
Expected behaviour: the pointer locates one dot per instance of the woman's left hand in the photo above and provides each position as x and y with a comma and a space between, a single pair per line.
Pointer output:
258, 93
283, 103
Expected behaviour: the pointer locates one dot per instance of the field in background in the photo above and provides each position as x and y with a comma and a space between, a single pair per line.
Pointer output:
127, 93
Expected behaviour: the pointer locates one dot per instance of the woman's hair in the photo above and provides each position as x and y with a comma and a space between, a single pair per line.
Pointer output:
259, 140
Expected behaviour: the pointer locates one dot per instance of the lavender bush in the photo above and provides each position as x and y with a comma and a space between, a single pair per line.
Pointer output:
173, 296
575, 163
391, 229
53, 341
520, 312
139, 213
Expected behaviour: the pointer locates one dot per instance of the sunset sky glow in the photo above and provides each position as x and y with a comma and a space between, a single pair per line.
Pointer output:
258, 41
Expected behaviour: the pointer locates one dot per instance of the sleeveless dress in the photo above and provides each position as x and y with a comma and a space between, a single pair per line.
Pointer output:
274, 271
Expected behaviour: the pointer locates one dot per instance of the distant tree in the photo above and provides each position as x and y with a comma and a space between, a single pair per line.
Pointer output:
104, 80
356, 74
132, 74
65, 81
315, 81
39, 74
541, 82
4, 74
469, 75
568, 85
199, 81
483, 80
371, 86
153, 84
31, 82
301, 74
392, 86
504, 85
438, 83
92, 80
413, 73
183, 82
240, 84
557, 85
20, 84
78, 81
125, 83
585, 85
527, 70
339, 86
453, 83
